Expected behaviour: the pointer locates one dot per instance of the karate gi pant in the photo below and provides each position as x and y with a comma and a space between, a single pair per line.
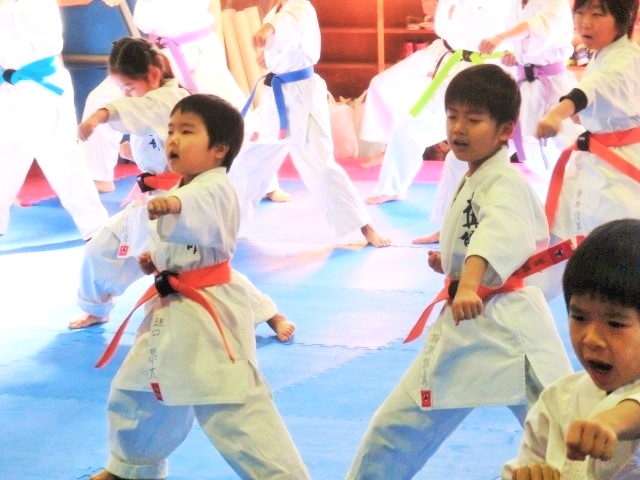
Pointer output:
250, 436
403, 156
104, 276
101, 149
327, 181
402, 437
61, 161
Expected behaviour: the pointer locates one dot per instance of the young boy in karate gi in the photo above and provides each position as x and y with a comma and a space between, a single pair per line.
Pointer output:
495, 341
194, 357
587, 425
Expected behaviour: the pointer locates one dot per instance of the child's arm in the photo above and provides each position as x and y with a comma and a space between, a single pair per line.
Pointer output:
146, 264
467, 304
435, 261
160, 206
550, 124
87, 126
598, 436
488, 45
540, 471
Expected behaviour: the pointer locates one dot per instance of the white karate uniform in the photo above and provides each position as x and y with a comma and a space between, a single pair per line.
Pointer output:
594, 192
611, 87
505, 356
36, 123
110, 263
205, 58
551, 31
179, 347
394, 92
568, 399
296, 46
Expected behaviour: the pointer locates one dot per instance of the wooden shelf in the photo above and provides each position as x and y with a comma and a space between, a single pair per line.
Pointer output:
360, 40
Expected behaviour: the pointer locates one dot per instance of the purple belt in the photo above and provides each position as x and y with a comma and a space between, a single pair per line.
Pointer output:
531, 73
173, 44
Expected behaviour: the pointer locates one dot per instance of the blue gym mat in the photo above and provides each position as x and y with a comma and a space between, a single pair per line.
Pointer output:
352, 304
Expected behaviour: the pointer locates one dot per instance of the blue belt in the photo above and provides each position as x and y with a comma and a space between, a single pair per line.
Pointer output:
276, 82
36, 71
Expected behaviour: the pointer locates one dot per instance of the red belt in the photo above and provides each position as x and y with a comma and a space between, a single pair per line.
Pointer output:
187, 284
536, 263
162, 181
596, 143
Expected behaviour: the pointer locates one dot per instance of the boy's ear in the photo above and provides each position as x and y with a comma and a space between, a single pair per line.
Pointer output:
220, 150
505, 131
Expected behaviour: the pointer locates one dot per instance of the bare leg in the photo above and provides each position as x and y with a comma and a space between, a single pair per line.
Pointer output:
433, 237
278, 196
105, 475
104, 187
284, 328
373, 237
379, 199
86, 320
374, 161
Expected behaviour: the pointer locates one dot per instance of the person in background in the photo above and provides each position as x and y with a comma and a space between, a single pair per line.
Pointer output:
194, 355
598, 180
587, 425
390, 114
38, 119
293, 118
109, 263
184, 32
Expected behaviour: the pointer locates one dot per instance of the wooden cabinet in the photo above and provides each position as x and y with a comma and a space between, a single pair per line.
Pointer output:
361, 38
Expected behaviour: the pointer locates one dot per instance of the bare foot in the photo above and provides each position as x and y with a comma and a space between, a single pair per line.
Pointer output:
284, 328
373, 161
278, 196
86, 320
104, 475
104, 187
374, 238
427, 239
378, 199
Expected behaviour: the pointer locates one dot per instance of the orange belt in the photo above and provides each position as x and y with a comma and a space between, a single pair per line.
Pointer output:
162, 181
185, 283
596, 143
536, 263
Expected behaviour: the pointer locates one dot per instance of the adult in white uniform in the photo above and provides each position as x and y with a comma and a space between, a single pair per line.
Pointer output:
205, 60
498, 351
606, 101
460, 24
587, 425
37, 118
179, 368
289, 45
110, 262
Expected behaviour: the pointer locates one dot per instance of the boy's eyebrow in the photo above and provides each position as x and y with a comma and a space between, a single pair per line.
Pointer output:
183, 124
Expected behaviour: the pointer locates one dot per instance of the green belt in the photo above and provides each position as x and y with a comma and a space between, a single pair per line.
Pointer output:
441, 74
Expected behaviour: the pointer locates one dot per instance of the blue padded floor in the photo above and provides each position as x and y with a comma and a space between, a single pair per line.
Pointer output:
352, 304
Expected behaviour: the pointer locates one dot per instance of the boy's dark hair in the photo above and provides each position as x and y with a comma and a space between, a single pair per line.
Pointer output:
486, 88
223, 121
132, 57
624, 12
607, 265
